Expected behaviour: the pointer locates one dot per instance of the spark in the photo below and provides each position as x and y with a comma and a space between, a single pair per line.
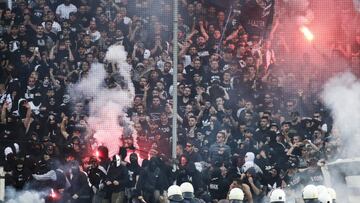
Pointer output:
53, 194
307, 33
97, 154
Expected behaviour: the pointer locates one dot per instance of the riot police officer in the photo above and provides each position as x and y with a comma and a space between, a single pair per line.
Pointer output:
175, 194
277, 196
310, 194
236, 195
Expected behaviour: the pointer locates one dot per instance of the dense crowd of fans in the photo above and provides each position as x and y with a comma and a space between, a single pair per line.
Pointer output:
237, 126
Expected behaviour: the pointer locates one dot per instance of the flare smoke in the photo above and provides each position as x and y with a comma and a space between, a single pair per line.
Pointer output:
23, 197
342, 95
107, 118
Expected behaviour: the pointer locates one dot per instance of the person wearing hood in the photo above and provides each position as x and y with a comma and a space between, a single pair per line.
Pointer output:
134, 170
79, 191
95, 176
10, 157
262, 159
18, 177
276, 152
187, 173
152, 181
249, 162
103, 166
116, 180
218, 186
272, 178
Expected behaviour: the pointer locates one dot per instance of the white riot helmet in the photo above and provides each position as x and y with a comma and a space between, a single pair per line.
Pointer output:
332, 193
236, 194
174, 193
325, 197
277, 195
310, 192
187, 190
321, 189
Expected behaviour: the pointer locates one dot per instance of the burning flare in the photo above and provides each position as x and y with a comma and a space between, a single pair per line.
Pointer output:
53, 195
307, 33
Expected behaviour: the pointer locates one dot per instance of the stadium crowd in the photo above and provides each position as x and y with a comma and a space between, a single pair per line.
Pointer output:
239, 123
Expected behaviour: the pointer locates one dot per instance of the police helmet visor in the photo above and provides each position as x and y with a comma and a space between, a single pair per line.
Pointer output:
235, 201
176, 198
188, 195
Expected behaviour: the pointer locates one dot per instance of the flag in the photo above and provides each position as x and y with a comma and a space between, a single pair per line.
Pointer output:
257, 16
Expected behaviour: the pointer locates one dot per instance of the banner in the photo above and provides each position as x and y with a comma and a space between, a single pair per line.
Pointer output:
257, 16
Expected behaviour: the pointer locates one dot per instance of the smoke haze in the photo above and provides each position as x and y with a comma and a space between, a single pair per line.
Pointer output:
23, 197
107, 118
342, 95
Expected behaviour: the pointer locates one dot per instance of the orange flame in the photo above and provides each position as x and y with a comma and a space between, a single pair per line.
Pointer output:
307, 33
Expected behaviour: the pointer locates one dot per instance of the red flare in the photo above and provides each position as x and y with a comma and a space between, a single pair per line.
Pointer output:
309, 36
53, 195
97, 154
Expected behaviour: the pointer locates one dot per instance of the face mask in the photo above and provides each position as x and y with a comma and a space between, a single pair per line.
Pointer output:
19, 168
46, 83
116, 160
66, 99
152, 166
133, 159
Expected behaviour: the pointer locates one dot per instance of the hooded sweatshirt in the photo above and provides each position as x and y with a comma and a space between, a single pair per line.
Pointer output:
249, 162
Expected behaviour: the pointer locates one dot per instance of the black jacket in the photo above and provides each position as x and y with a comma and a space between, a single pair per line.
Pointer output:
79, 185
95, 176
151, 180
117, 173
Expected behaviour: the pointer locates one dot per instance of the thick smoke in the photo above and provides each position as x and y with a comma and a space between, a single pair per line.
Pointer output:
342, 95
107, 118
24, 197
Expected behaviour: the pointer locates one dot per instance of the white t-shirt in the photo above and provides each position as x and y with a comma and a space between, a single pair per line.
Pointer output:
64, 11
95, 36
56, 27
127, 20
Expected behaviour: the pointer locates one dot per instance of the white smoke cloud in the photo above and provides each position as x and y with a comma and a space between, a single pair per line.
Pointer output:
28, 196
107, 117
342, 95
